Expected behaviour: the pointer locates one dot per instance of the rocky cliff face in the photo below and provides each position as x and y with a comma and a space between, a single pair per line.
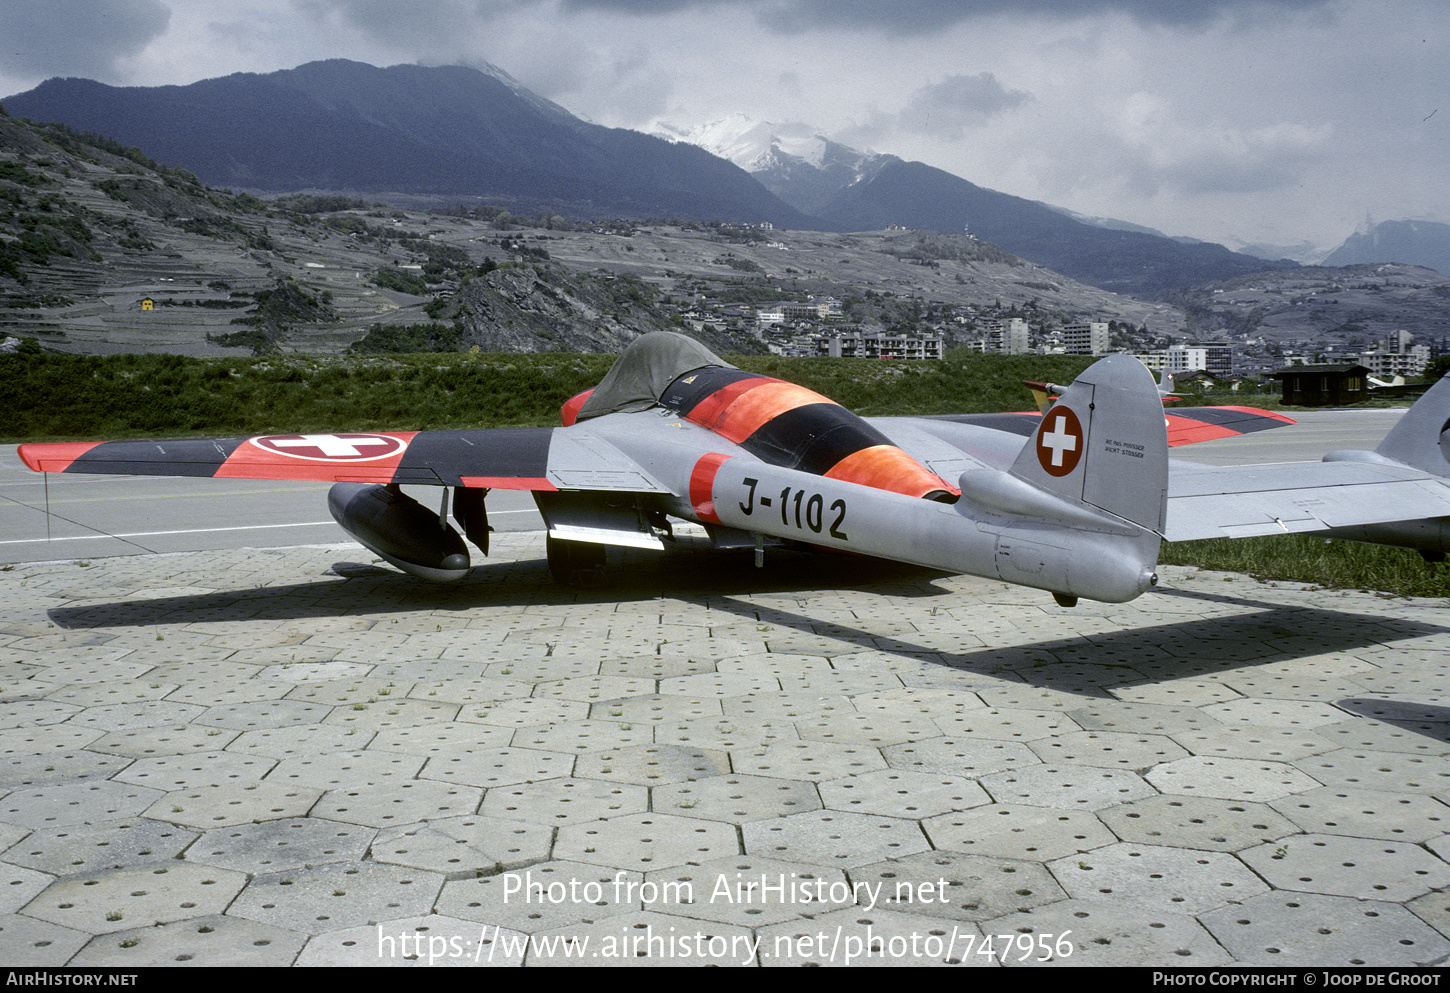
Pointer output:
524, 308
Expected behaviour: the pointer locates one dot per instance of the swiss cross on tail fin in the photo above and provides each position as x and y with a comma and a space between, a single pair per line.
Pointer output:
1103, 444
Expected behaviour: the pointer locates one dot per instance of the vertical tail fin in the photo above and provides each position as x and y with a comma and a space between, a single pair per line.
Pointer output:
1422, 437
1104, 445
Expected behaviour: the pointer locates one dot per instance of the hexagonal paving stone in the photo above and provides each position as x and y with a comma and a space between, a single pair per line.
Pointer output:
218, 806
1367, 814
18, 885
276, 845
175, 739
148, 714
1337, 866
1141, 718
813, 761
30, 943
140, 896
645, 841
1171, 880
493, 767
1109, 749
971, 757
1095, 933
1306, 929
547, 895
525, 713
89, 848
19, 771
1006, 724
1283, 744
736, 798
256, 714
215, 941
652, 765
1016, 831
834, 838
193, 769
902, 793
1304, 714
1196, 822
470, 843
325, 898
304, 740
391, 804
585, 736
335, 770
76, 803
1072, 787
723, 733
1230, 779
564, 801
1353, 768
949, 885
441, 736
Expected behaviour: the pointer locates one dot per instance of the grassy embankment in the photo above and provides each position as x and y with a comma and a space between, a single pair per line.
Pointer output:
62, 397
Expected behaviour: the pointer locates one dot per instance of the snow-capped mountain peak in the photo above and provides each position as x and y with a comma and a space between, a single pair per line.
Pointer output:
794, 160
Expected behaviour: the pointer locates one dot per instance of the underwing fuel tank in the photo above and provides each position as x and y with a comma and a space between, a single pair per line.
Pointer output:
399, 529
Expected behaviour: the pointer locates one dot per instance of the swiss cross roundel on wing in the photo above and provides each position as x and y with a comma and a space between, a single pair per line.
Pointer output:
332, 447
1059, 441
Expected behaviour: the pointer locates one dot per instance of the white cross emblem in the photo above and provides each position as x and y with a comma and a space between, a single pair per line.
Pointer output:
329, 447
1060, 440
330, 444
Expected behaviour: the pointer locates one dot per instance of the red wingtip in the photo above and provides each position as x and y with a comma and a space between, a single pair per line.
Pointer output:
56, 457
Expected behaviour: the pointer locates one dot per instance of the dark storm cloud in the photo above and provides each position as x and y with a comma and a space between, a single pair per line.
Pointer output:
919, 16
77, 37
947, 109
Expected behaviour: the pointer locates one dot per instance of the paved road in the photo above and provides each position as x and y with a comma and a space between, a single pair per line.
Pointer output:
1317, 432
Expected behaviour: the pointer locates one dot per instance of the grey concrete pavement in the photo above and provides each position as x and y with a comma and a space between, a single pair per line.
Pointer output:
297, 756
300, 757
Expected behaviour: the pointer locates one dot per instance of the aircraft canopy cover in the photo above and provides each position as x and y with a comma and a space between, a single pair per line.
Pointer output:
641, 373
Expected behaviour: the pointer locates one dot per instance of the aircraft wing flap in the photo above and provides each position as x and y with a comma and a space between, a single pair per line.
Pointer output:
1242, 501
584, 461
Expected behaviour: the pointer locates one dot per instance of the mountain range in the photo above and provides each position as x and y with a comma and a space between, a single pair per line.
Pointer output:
453, 133
1423, 243
443, 131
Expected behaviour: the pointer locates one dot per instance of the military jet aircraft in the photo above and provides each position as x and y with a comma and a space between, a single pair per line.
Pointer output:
1074, 501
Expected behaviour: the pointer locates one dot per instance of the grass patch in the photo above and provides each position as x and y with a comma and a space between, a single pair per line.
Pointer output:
84, 397
1305, 558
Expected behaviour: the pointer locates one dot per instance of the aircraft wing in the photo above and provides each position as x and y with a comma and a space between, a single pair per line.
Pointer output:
541, 459
1186, 426
1242, 501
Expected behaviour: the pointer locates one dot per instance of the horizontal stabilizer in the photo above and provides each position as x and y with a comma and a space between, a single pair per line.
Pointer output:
1241, 501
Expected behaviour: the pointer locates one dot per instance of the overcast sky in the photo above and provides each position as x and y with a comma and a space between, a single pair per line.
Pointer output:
1278, 121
